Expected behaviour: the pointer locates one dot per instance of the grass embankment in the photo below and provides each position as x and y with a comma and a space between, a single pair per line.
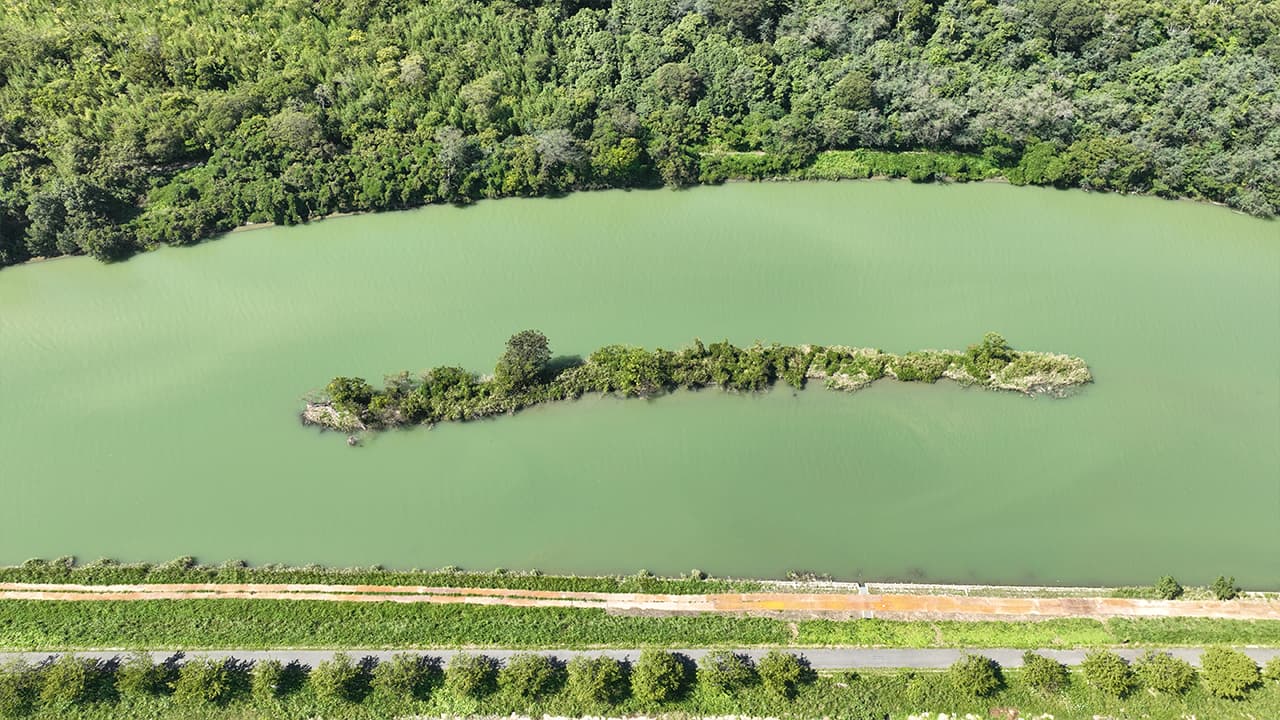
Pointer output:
187, 570
253, 624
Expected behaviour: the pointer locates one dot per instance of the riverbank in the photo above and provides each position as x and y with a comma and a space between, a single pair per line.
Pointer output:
526, 375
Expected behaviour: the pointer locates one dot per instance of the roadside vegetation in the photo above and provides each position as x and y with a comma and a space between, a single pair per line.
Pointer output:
526, 374
104, 571
781, 684
262, 623
127, 125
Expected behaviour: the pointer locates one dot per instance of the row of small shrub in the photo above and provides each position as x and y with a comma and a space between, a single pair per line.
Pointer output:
1168, 588
186, 570
1224, 673
657, 677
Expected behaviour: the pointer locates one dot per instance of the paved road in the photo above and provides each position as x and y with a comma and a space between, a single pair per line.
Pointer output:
819, 658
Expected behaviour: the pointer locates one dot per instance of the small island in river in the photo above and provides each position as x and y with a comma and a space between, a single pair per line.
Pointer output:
526, 374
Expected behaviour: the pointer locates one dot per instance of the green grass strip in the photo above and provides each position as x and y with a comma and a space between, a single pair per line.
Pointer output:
253, 624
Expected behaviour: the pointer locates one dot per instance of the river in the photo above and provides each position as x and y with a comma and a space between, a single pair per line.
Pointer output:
149, 407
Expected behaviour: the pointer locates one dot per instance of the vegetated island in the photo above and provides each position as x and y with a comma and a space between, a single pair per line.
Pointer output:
526, 374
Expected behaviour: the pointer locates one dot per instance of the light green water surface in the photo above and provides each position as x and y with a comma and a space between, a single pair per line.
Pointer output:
149, 408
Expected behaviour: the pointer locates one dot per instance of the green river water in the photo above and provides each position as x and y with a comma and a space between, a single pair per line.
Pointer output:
149, 407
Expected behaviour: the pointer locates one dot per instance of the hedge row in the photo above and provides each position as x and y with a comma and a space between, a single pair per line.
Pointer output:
779, 684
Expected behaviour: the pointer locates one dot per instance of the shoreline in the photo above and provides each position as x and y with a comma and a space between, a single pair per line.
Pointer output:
942, 180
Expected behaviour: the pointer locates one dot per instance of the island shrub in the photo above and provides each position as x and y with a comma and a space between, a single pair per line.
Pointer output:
19, 689
726, 672
782, 673
1164, 673
659, 676
407, 676
1168, 588
976, 676
531, 676
1044, 674
471, 676
210, 681
524, 362
1228, 674
1225, 588
341, 679
1108, 672
596, 682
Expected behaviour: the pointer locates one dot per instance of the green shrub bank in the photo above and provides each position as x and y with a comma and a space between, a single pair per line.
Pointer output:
128, 124
252, 624
186, 570
525, 375
346, 687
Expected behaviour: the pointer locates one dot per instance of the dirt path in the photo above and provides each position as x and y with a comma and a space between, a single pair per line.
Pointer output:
765, 604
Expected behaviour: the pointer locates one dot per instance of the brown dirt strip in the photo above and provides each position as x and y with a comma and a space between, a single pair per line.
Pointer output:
766, 604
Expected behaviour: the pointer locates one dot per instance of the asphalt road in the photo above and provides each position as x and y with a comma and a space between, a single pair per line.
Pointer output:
819, 658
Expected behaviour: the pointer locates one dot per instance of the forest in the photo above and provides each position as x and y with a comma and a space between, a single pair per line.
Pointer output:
131, 124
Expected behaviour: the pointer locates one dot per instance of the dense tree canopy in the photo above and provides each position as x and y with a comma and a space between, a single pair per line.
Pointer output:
127, 124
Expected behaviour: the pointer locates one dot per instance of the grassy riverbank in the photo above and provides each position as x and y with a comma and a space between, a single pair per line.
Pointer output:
187, 570
526, 375
254, 624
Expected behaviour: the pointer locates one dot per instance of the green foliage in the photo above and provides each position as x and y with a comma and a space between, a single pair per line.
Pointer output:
1225, 588
596, 682
471, 676
658, 676
266, 680
406, 676
529, 677
138, 675
350, 394
865, 694
67, 681
134, 124
1228, 674
524, 361
1272, 669
186, 570
1164, 673
19, 688
726, 671
1108, 672
782, 673
207, 681
1168, 588
341, 679
453, 394
1044, 674
975, 676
